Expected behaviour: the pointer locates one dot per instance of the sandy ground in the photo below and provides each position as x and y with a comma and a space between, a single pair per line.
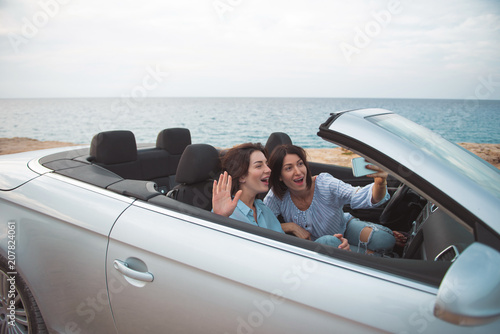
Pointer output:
338, 156
18, 144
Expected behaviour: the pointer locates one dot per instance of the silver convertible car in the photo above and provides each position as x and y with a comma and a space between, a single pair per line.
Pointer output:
120, 238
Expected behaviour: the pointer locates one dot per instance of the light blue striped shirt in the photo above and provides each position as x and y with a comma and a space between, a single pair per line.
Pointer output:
325, 215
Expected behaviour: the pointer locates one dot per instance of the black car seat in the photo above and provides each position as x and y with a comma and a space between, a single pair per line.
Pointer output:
160, 164
276, 139
116, 151
198, 167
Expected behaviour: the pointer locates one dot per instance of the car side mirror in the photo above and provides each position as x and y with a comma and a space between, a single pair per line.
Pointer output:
469, 294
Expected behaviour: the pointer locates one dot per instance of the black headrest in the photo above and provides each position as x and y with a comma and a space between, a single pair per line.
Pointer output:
174, 140
276, 139
198, 163
113, 147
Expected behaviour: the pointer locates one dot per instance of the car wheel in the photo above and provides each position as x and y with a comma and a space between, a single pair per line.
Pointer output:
19, 312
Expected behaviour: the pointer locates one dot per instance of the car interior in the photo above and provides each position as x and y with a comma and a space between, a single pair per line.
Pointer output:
176, 174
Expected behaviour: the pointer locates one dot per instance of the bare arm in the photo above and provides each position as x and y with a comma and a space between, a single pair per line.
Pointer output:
380, 183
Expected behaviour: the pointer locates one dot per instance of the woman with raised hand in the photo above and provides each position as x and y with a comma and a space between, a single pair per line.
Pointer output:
246, 175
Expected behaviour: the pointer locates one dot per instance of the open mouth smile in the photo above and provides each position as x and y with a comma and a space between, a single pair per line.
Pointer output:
299, 181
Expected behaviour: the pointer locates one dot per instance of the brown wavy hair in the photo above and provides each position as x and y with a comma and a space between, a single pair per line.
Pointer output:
236, 162
276, 164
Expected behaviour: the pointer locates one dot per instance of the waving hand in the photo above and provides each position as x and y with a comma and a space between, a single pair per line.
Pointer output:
222, 203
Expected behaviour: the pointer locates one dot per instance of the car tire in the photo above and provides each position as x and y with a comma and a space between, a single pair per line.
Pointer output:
27, 317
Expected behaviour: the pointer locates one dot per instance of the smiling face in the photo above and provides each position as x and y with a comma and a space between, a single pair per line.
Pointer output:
257, 179
293, 173
289, 170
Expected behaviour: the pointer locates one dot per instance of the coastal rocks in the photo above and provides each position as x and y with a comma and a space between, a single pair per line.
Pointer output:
21, 144
487, 152
342, 157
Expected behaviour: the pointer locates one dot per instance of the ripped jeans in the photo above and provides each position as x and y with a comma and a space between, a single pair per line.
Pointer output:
381, 239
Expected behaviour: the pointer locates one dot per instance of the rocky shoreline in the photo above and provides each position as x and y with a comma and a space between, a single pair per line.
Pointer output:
342, 157
338, 156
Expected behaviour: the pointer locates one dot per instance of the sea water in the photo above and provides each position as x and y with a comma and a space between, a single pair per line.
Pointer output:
224, 122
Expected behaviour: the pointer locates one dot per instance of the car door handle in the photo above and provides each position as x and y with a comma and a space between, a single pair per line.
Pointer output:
123, 268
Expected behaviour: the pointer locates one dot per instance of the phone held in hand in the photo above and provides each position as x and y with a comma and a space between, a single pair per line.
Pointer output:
359, 167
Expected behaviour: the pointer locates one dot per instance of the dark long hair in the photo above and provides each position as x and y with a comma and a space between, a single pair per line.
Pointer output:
236, 162
276, 164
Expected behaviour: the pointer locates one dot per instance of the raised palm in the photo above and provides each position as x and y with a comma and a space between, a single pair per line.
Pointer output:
222, 203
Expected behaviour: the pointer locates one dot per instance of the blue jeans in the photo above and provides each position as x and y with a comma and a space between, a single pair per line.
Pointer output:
380, 240
329, 240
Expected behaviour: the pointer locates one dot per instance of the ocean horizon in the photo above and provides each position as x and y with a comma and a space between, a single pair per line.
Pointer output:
227, 121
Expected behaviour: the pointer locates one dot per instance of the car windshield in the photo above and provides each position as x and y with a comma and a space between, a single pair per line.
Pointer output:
454, 156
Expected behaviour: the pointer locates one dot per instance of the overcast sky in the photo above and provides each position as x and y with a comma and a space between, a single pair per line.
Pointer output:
268, 48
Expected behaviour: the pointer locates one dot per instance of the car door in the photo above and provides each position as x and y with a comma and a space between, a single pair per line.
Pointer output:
171, 272
62, 228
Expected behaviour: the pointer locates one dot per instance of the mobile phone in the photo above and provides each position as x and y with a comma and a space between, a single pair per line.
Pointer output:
359, 167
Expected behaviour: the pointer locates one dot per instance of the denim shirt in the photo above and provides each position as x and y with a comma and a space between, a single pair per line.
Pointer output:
265, 217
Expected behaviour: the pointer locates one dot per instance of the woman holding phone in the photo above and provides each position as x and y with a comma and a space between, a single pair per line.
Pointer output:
313, 206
